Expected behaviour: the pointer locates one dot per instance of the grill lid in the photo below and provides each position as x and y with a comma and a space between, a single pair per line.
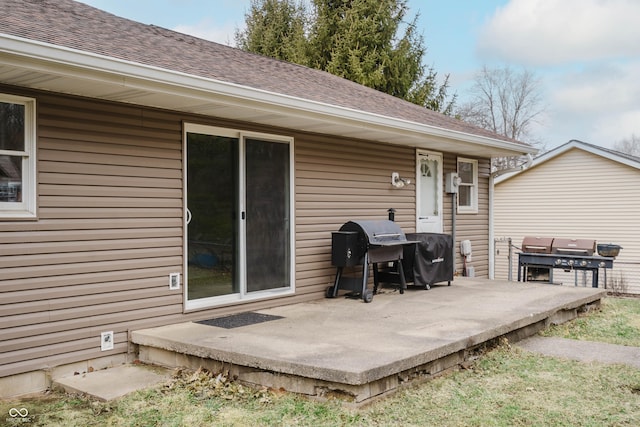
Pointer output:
573, 246
537, 245
559, 246
378, 232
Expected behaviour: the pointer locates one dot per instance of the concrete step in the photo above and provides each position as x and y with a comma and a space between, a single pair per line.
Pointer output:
113, 383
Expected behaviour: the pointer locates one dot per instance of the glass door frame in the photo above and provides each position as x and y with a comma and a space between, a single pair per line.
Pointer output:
439, 225
243, 295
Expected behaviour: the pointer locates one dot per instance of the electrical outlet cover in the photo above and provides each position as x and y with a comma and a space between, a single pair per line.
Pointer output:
106, 341
174, 281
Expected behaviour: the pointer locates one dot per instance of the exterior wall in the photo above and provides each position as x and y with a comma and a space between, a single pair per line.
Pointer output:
110, 229
471, 226
574, 195
108, 233
338, 182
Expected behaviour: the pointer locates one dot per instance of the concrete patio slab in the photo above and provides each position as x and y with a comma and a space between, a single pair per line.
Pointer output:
365, 350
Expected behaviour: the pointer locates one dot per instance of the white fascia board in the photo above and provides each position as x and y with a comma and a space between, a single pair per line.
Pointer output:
71, 62
602, 153
551, 154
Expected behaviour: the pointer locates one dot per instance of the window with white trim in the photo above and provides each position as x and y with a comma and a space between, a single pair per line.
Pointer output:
17, 157
468, 188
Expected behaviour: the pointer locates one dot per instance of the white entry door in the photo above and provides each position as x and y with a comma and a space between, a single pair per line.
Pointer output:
429, 192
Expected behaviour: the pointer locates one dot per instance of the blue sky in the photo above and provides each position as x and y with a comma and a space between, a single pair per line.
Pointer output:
586, 53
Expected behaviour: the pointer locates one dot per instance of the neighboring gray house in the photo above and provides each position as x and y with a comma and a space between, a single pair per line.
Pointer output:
576, 190
149, 177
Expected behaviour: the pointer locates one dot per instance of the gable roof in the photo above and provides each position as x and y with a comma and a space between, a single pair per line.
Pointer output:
607, 153
69, 47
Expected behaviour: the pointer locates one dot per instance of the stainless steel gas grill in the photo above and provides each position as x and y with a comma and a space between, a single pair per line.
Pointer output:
361, 243
540, 255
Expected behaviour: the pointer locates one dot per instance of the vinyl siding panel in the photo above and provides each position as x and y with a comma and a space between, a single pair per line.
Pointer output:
471, 226
110, 229
108, 233
574, 195
336, 183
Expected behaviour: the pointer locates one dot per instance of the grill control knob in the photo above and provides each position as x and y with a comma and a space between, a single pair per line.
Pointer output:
570, 262
584, 262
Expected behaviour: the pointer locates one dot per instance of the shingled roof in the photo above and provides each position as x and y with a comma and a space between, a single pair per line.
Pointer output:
79, 27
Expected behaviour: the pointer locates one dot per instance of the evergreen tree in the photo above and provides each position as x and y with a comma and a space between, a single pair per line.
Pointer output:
365, 41
275, 28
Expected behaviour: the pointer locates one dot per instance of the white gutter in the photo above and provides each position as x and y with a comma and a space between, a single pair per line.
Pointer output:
72, 62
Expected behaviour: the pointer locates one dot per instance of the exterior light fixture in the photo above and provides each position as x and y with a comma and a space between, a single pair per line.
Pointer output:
398, 182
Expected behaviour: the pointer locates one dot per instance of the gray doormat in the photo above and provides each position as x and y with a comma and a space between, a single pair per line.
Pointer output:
238, 320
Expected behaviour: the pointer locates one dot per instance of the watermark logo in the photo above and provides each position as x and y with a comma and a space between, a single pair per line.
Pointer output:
18, 415
15, 412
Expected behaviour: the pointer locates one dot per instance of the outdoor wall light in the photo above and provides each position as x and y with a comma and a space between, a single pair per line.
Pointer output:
398, 182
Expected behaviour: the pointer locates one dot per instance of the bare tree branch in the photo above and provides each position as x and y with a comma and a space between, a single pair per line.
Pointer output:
629, 145
505, 102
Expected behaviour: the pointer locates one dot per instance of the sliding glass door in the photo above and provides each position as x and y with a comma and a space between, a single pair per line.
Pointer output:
238, 212
268, 226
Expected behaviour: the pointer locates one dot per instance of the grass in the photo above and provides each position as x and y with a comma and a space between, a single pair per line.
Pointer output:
617, 322
505, 387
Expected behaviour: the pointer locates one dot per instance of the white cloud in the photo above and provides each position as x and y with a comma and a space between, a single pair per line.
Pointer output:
613, 128
546, 32
598, 104
606, 87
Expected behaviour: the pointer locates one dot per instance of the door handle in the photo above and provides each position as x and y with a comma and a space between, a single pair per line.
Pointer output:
188, 216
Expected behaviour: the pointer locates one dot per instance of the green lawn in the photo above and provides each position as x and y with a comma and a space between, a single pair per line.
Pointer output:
617, 322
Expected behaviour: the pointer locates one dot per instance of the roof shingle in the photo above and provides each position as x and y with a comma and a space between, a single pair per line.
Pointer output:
77, 26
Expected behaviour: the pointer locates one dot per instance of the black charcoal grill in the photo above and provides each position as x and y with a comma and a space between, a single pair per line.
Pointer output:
365, 242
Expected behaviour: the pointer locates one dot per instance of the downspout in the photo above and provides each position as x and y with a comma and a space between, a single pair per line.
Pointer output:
492, 243
453, 229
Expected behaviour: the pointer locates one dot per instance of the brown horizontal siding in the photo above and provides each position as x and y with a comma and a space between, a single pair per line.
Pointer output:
109, 228
97, 322
471, 226
90, 212
52, 249
337, 182
107, 158
109, 231
24, 314
64, 357
84, 291
91, 191
37, 242
108, 202
92, 224
26, 285
96, 266
113, 181
66, 258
